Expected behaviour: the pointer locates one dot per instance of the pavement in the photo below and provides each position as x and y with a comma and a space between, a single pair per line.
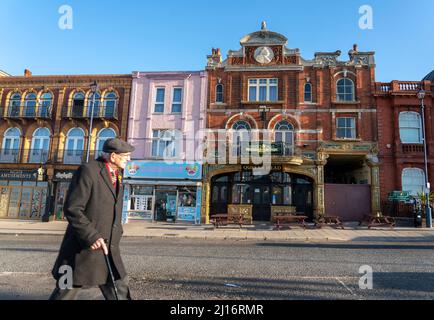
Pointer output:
256, 232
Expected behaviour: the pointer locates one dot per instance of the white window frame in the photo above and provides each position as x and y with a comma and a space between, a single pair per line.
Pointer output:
286, 137
353, 91
353, 129
412, 173
256, 83
13, 139
168, 146
37, 154
100, 141
159, 102
402, 128
177, 102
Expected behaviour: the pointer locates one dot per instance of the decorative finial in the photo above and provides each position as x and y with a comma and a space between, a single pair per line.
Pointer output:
264, 25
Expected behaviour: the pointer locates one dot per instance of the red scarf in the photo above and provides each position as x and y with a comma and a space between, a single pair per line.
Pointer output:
113, 174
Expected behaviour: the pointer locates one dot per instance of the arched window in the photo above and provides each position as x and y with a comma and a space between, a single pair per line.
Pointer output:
78, 105
11, 146
219, 93
413, 180
14, 105
345, 90
74, 146
284, 136
241, 137
103, 136
46, 103
90, 103
110, 102
40, 146
30, 105
307, 92
410, 127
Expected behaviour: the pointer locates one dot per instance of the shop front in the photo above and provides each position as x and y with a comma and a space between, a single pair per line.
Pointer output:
158, 191
265, 193
23, 194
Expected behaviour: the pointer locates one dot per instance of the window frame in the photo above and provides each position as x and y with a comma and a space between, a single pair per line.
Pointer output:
258, 85
159, 103
419, 128
353, 129
421, 174
310, 92
177, 102
219, 93
353, 93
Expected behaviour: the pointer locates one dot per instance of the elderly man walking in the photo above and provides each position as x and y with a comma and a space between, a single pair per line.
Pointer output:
93, 209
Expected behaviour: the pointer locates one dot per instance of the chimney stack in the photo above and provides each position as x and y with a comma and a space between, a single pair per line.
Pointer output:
27, 73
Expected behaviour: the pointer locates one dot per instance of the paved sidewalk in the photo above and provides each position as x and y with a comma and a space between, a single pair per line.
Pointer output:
255, 232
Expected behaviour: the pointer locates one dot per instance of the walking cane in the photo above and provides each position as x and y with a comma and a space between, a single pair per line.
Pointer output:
110, 271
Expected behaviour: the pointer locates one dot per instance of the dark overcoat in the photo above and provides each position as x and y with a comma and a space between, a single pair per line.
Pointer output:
93, 209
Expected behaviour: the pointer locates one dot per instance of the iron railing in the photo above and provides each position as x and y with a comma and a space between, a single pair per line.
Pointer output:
16, 111
24, 156
81, 112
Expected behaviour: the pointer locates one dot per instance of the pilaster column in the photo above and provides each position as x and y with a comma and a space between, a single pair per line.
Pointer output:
375, 186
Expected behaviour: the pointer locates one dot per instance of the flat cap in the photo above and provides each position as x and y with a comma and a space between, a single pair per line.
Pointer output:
117, 146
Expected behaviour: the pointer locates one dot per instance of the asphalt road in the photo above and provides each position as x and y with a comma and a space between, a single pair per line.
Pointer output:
232, 270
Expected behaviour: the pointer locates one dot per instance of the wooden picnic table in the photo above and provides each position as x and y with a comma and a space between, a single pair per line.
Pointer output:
219, 220
282, 220
223, 219
378, 221
330, 220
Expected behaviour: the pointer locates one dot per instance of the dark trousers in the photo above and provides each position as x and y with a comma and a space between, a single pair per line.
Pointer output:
107, 290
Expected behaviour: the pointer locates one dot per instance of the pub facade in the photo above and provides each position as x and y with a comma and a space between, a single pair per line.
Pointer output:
316, 118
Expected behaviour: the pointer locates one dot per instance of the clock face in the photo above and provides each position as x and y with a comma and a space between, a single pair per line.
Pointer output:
264, 55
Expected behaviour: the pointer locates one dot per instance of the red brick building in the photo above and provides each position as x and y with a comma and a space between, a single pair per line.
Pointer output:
44, 133
400, 132
322, 114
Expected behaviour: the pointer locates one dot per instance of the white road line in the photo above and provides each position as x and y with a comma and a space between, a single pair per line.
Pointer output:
346, 287
24, 273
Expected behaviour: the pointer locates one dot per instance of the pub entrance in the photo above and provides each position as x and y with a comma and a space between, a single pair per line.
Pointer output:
263, 192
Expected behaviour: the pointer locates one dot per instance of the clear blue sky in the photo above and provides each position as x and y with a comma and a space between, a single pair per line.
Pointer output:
114, 36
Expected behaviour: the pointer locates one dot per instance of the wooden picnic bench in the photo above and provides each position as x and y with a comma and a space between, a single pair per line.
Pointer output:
330, 220
237, 214
285, 220
378, 220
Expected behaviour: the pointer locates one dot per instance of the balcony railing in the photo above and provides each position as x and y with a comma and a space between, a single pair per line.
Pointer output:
26, 112
403, 87
80, 112
412, 148
10, 156
74, 156
24, 156
38, 156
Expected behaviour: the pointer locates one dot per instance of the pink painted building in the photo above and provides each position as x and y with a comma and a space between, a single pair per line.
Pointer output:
167, 110
161, 102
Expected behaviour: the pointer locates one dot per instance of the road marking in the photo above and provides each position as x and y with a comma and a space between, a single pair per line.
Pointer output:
346, 287
24, 273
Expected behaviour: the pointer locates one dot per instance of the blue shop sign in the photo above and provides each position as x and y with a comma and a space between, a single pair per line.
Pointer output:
161, 170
